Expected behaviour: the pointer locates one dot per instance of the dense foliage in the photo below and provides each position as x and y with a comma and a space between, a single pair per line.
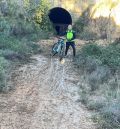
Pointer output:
108, 55
21, 24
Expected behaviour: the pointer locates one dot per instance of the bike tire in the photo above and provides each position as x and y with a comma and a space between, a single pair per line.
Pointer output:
62, 52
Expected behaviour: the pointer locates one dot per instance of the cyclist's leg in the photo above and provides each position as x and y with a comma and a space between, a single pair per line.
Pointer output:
67, 48
74, 49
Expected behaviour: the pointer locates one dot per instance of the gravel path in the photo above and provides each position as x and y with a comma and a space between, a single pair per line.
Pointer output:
45, 97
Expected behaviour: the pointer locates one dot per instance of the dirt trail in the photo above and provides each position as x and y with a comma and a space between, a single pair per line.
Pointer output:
46, 97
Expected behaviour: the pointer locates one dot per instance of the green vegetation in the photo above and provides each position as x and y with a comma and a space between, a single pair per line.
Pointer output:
99, 68
108, 55
3, 65
21, 25
24, 23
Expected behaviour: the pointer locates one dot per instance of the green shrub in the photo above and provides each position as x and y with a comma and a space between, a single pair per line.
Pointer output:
100, 77
12, 47
84, 96
91, 49
5, 26
32, 20
96, 105
3, 72
109, 55
19, 30
110, 116
13, 44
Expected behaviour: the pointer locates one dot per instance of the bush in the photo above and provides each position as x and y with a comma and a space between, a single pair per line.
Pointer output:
96, 105
99, 82
109, 55
19, 29
110, 115
3, 69
14, 44
91, 49
32, 20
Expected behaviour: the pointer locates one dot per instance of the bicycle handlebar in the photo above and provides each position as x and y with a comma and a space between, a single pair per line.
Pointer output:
61, 38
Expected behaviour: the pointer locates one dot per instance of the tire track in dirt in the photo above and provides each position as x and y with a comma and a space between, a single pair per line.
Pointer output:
45, 97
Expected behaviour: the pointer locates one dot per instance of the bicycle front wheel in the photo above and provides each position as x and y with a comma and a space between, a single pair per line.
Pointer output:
62, 52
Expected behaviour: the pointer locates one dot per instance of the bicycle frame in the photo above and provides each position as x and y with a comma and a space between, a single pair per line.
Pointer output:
59, 48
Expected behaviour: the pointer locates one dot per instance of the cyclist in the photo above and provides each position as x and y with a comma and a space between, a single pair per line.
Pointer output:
70, 37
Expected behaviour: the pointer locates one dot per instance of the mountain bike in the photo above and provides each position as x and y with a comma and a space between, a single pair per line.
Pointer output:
59, 48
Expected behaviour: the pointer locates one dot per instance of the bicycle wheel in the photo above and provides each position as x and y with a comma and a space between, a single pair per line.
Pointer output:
62, 51
54, 47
